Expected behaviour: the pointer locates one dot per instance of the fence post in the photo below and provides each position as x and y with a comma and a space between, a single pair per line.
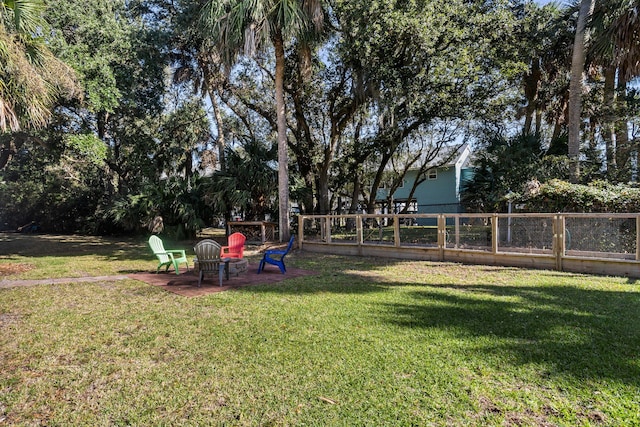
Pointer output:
442, 238
300, 231
558, 241
327, 228
396, 231
359, 229
494, 233
638, 238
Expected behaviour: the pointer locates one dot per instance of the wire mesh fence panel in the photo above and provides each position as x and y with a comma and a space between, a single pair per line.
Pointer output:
525, 234
601, 237
418, 235
325, 229
378, 230
314, 230
343, 229
469, 233
602, 243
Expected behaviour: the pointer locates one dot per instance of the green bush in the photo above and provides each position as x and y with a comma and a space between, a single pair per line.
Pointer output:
599, 196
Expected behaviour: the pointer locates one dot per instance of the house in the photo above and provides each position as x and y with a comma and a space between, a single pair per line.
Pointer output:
438, 193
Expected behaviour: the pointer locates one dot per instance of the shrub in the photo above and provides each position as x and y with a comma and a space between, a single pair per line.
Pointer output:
599, 196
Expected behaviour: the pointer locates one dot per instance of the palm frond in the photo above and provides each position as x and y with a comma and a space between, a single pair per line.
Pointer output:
313, 9
32, 78
25, 15
8, 117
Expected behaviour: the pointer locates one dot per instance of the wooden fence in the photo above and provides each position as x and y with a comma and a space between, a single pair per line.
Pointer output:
606, 244
257, 232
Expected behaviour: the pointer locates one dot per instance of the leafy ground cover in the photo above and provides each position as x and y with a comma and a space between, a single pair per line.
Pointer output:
367, 342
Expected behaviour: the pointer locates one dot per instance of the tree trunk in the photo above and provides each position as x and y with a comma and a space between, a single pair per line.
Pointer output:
575, 88
561, 119
531, 90
101, 120
324, 207
302, 146
557, 130
355, 198
307, 197
623, 151
283, 157
220, 142
377, 179
7, 149
608, 128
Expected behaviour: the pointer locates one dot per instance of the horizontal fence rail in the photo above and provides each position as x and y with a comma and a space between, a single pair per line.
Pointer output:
582, 243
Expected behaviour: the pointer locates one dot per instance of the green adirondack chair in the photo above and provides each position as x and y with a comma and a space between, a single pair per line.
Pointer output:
167, 257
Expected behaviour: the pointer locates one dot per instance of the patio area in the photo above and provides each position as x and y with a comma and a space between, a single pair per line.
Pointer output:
186, 283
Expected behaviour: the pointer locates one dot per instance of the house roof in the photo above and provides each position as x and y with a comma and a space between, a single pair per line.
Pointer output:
461, 158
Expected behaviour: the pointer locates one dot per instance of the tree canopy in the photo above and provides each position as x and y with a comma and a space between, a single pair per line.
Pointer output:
114, 113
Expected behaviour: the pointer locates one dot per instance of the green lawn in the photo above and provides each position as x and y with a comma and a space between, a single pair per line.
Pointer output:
367, 342
53, 256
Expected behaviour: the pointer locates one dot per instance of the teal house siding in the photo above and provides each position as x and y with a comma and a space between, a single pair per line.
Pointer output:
433, 195
439, 193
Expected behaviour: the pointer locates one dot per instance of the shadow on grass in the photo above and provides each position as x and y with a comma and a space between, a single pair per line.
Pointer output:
52, 245
587, 333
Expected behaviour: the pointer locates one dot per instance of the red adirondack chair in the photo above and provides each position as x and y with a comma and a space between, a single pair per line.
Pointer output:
235, 246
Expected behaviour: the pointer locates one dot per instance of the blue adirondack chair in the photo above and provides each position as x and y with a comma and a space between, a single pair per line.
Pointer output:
167, 257
276, 257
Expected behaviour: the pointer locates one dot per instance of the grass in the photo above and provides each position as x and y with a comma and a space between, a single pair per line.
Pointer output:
55, 256
367, 342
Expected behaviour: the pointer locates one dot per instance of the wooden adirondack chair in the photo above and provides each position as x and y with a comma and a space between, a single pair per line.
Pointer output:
235, 246
208, 259
167, 257
276, 257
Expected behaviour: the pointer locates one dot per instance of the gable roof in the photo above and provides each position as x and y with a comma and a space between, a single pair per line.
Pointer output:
461, 158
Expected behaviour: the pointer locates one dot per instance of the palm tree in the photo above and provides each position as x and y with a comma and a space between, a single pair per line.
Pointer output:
30, 76
616, 28
575, 87
245, 26
623, 33
198, 61
246, 181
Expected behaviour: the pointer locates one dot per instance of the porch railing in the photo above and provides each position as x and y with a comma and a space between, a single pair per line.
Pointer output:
576, 242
